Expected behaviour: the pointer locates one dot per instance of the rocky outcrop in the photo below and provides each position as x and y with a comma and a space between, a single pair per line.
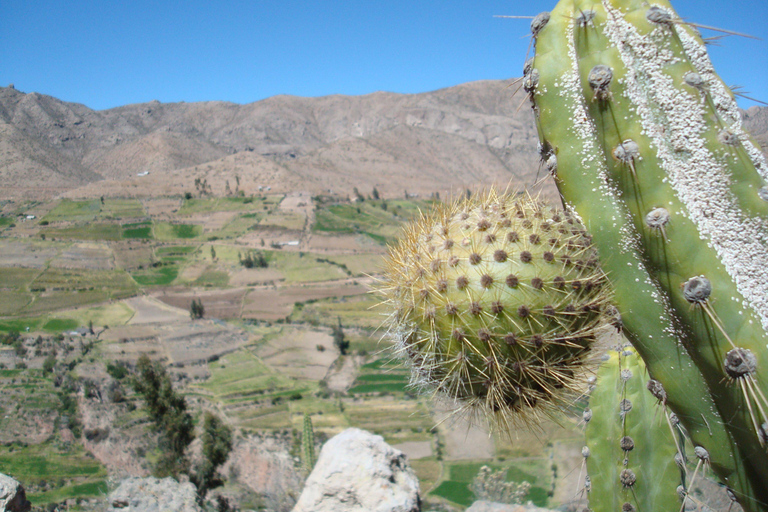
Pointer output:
153, 495
489, 506
12, 495
358, 472
263, 464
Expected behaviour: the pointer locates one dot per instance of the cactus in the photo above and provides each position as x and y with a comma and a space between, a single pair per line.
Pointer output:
496, 301
655, 162
630, 450
308, 445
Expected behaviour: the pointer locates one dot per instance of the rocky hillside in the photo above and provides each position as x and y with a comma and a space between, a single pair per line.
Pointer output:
442, 140
463, 136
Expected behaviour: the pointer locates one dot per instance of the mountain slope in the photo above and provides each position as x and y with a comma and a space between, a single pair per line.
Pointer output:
469, 135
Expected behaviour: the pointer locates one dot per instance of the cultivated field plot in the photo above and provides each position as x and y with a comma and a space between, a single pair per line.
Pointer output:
243, 376
130, 255
272, 303
296, 353
177, 231
222, 304
29, 406
28, 253
68, 210
289, 220
91, 256
97, 231
58, 279
370, 218
304, 267
229, 204
200, 341
387, 416
14, 278
150, 310
120, 209
12, 301
53, 473
362, 310
161, 208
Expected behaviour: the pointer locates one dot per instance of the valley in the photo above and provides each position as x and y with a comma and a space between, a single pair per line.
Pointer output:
89, 285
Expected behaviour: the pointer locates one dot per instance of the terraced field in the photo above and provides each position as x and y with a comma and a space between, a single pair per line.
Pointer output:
263, 355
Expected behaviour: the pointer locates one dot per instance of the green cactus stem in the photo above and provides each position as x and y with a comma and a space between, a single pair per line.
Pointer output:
630, 447
308, 444
497, 301
656, 164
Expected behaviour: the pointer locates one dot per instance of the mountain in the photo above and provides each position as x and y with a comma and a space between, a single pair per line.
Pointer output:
469, 135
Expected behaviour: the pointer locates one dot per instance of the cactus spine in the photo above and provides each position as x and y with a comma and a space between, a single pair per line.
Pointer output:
674, 193
630, 450
496, 300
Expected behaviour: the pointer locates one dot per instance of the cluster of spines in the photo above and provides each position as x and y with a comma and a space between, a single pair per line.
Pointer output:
496, 302
655, 160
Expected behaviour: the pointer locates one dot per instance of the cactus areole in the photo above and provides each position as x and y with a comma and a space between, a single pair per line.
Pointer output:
651, 156
497, 301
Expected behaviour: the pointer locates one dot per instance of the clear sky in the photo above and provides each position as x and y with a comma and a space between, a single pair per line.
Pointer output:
106, 53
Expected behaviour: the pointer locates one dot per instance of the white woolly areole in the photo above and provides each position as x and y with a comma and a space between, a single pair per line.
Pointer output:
739, 240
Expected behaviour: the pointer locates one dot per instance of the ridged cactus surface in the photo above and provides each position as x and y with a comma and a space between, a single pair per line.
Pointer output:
631, 448
308, 444
646, 145
497, 300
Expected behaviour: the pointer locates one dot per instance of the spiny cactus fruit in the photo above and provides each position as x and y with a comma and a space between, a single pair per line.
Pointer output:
496, 301
630, 451
654, 160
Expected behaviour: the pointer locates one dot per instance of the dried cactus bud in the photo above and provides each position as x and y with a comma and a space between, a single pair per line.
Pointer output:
505, 319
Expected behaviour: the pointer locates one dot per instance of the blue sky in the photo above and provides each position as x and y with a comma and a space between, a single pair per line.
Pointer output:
108, 53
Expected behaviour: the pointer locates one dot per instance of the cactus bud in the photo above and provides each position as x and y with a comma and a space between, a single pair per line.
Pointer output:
497, 301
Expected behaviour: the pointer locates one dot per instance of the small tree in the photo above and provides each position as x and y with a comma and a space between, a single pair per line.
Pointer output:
196, 309
217, 444
375, 193
339, 339
168, 411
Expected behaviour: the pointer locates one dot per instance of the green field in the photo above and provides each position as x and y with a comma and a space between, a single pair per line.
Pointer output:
224, 204
368, 218
74, 211
156, 276
173, 231
119, 209
71, 471
92, 231
140, 230
302, 267
60, 325
242, 374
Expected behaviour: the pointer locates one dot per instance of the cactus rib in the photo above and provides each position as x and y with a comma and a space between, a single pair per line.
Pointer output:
656, 164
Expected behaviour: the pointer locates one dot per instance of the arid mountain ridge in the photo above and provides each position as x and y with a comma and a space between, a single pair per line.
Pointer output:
469, 135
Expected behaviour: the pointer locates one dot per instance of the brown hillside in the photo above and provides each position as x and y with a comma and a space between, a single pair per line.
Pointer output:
469, 135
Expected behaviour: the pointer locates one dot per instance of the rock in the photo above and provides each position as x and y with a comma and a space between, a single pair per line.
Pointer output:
358, 472
263, 464
153, 495
12, 496
489, 506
